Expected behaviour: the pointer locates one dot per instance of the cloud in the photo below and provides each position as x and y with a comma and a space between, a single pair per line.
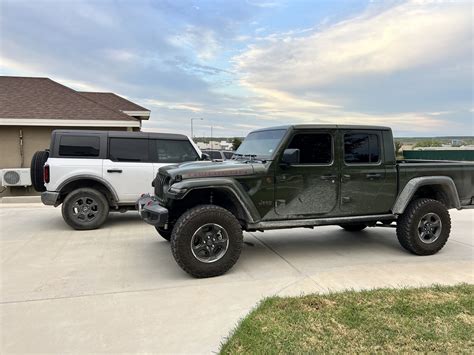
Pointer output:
406, 36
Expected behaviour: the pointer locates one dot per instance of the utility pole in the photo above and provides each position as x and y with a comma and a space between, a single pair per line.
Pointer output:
212, 144
192, 128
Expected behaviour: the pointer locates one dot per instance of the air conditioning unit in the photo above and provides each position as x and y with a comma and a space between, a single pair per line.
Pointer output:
16, 177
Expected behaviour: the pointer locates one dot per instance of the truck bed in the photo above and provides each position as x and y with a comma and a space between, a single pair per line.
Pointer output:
461, 172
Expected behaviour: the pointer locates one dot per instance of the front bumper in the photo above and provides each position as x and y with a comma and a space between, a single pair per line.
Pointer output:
151, 211
50, 198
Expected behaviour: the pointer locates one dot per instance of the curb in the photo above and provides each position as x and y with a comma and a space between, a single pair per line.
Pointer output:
20, 199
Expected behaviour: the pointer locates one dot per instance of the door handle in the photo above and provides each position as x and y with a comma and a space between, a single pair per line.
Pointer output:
346, 177
328, 177
114, 170
373, 176
332, 178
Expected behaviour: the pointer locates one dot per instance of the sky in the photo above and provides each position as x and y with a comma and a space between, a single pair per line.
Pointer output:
248, 64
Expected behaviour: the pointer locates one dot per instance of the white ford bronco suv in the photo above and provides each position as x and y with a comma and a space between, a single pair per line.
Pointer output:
94, 172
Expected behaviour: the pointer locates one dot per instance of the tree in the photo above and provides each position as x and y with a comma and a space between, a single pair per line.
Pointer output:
398, 147
236, 143
428, 143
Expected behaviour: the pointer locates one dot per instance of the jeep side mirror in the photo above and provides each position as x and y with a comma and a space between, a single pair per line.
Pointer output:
291, 156
205, 156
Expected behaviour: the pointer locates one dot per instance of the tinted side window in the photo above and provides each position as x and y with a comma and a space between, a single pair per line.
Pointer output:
228, 155
361, 148
79, 146
315, 148
128, 149
170, 151
213, 154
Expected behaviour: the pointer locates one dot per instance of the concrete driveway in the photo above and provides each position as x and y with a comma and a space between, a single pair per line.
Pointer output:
118, 289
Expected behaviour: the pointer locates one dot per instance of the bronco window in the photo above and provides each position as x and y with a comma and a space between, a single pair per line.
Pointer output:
175, 151
361, 148
79, 146
128, 149
315, 148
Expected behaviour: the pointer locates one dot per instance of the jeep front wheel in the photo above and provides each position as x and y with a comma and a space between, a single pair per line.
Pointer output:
424, 227
85, 209
206, 241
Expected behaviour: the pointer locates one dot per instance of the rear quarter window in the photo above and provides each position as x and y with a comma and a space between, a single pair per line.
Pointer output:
174, 151
79, 146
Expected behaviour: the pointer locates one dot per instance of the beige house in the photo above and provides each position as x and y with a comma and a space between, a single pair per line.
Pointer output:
30, 108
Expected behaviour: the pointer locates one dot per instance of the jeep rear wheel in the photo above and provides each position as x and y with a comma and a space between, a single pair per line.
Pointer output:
85, 209
424, 227
206, 241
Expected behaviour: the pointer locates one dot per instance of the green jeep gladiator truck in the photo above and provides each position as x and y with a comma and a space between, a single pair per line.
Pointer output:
304, 176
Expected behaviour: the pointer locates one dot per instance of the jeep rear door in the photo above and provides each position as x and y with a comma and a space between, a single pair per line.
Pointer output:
128, 168
368, 186
309, 188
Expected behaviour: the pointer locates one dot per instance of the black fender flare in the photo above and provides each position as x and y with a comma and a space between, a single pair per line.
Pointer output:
445, 182
181, 189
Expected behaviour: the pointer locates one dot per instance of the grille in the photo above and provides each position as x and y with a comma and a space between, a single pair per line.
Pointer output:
11, 177
160, 185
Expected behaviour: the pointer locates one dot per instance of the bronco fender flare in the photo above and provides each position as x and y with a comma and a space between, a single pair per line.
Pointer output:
445, 183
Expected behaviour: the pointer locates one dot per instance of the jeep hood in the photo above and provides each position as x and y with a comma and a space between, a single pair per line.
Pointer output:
202, 169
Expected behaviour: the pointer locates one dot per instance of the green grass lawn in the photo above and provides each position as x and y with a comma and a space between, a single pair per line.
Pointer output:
435, 319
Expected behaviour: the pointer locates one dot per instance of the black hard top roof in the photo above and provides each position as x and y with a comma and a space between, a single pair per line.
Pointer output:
327, 126
122, 134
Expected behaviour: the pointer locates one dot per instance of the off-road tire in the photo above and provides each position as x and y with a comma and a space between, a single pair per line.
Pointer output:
165, 233
407, 226
184, 230
84, 193
353, 227
36, 170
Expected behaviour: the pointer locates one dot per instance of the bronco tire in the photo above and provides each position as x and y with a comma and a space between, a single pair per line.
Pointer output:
36, 170
85, 209
353, 227
424, 227
206, 241
165, 233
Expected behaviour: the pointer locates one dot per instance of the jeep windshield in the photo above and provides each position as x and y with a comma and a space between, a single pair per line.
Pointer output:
261, 144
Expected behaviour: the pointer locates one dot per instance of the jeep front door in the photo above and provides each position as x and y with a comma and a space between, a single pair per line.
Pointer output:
310, 187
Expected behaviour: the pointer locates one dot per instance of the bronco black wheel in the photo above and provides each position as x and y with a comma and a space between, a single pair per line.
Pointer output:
85, 208
206, 241
424, 227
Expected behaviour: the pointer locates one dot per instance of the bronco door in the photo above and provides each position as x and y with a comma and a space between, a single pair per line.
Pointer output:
310, 187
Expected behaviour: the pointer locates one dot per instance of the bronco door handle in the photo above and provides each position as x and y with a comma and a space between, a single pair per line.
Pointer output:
328, 177
114, 170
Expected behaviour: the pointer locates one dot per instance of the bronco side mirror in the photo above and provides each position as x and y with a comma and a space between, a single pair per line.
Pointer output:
291, 156
205, 156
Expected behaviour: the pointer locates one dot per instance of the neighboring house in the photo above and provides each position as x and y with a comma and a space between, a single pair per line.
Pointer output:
30, 108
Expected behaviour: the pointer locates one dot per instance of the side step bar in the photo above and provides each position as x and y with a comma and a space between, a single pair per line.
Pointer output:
296, 223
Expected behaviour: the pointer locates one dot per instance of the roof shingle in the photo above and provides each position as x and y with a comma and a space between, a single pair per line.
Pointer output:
43, 98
